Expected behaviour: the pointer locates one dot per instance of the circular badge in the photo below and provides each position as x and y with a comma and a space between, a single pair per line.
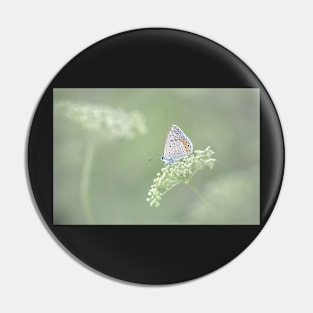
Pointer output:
155, 156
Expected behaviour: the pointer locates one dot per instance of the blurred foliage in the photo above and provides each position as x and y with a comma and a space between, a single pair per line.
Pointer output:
108, 144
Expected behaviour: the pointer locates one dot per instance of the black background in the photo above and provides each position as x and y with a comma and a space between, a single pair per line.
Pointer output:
155, 58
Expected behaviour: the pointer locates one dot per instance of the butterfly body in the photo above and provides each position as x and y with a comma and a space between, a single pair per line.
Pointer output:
177, 145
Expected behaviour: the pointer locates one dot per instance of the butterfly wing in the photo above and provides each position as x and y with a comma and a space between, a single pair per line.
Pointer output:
177, 145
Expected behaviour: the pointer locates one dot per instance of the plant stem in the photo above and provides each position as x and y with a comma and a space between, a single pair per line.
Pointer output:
200, 196
85, 180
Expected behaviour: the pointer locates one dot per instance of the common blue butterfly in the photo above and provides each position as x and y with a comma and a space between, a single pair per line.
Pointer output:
177, 145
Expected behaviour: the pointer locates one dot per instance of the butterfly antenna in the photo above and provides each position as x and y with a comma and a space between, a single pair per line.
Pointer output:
157, 155
158, 152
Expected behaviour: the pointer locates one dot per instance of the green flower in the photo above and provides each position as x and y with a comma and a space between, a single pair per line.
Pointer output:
179, 172
103, 123
107, 122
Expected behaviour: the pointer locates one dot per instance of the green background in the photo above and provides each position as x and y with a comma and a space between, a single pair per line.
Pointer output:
121, 170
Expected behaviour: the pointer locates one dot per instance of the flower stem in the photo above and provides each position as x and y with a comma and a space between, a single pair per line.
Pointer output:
85, 180
200, 196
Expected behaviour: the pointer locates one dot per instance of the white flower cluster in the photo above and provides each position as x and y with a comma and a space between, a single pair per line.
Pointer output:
111, 122
179, 172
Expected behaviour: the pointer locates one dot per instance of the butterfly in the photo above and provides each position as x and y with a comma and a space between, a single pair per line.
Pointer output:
177, 145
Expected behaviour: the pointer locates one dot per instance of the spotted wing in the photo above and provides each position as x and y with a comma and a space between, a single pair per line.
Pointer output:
177, 144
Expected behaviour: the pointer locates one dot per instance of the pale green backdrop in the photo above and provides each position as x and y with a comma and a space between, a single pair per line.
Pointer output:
108, 144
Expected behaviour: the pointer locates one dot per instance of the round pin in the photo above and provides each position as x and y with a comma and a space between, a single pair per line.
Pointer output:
155, 156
